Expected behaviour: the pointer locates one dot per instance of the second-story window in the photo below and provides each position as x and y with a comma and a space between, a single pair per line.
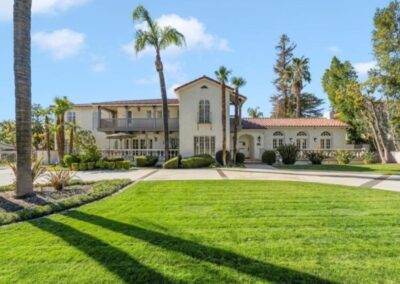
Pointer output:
71, 116
204, 111
148, 114
159, 114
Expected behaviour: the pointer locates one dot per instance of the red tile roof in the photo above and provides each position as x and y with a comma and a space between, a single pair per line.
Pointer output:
264, 123
133, 102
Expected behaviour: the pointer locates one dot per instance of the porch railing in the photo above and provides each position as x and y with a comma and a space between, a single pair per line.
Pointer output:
330, 154
131, 153
137, 124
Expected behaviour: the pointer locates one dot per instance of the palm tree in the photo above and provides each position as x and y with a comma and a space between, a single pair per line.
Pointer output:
254, 112
237, 83
46, 112
23, 104
61, 106
222, 75
299, 72
71, 129
158, 38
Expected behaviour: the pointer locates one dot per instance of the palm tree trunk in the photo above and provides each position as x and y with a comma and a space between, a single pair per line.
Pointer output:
235, 125
47, 129
223, 95
159, 68
298, 102
22, 74
71, 141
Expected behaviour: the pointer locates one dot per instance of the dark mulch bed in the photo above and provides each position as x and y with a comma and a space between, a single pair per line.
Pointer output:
42, 196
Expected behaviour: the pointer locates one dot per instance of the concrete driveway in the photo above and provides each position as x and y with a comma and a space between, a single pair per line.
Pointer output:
376, 181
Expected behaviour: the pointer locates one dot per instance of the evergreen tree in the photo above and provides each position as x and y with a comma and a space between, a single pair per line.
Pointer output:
282, 100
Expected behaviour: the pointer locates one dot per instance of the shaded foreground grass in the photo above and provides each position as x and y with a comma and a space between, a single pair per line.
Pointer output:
213, 231
390, 169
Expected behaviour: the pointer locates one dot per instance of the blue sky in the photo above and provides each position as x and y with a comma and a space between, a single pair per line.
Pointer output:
82, 48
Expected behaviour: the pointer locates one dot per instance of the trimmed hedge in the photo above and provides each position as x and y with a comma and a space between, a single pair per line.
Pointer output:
70, 159
240, 157
196, 162
218, 157
100, 190
268, 157
146, 161
316, 158
75, 166
172, 163
83, 166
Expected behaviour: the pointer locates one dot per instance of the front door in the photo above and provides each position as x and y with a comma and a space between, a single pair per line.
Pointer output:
244, 147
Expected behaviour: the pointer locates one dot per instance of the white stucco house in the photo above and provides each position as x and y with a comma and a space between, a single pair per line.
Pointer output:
134, 127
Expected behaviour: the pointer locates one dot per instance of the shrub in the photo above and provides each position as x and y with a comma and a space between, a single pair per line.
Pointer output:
240, 157
119, 165
269, 157
218, 157
172, 163
83, 166
91, 165
146, 161
69, 159
75, 166
59, 178
196, 162
315, 158
110, 165
115, 159
368, 157
100, 164
288, 153
126, 164
344, 157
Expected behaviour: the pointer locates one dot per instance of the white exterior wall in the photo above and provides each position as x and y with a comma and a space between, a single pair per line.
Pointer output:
141, 112
189, 98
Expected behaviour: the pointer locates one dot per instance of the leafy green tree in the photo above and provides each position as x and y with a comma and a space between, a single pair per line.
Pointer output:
38, 127
222, 75
299, 74
237, 82
158, 38
282, 100
340, 83
7, 132
254, 112
311, 105
23, 97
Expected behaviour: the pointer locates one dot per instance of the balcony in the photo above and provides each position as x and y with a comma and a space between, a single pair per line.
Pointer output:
136, 124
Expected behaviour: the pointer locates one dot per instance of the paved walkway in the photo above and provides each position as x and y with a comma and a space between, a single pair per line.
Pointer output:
253, 172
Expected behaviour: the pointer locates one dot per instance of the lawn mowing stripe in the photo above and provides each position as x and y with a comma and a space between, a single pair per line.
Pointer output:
375, 181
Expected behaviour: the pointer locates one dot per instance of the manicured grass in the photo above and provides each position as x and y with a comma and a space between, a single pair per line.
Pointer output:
213, 232
391, 169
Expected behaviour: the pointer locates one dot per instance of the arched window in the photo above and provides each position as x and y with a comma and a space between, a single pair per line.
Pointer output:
301, 140
277, 139
204, 111
325, 140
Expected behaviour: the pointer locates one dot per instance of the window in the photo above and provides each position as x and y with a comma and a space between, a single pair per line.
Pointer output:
142, 144
204, 111
135, 144
150, 143
159, 114
95, 119
277, 139
325, 140
148, 114
71, 116
126, 143
301, 140
204, 145
174, 143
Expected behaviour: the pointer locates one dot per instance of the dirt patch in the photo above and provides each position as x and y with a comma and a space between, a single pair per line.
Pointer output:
41, 196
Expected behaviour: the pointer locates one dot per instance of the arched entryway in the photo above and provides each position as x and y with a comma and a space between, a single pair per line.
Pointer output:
246, 145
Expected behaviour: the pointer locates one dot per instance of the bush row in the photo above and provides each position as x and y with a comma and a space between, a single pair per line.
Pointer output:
99, 190
198, 161
125, 164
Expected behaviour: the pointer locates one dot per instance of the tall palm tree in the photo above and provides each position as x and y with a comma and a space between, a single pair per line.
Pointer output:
299, 72
71, 129
222, 75
254, 112
158, 38
23, 104
237, 83
61, 106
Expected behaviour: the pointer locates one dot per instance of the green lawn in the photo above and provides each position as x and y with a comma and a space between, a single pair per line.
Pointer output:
213, 232
391, 169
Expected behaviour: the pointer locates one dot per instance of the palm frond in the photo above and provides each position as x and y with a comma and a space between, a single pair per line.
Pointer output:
141, 14
171, 36
223, 74
238, 82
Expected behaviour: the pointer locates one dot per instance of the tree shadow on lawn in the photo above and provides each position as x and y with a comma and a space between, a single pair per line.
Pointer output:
266, 271
113, 259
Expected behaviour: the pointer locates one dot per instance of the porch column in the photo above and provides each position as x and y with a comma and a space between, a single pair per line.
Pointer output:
154, 118
98, 117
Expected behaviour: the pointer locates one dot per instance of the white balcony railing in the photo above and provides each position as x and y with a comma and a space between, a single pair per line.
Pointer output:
137, 124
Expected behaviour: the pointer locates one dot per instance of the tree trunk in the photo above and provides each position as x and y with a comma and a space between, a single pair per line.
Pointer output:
47, 129
159, 68
223, 95
71, 141
23, 104
235, 125
298, 102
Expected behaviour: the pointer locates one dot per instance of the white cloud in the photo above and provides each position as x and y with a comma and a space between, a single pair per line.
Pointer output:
362, 68
334, 49
60, 44
194, 31
98, 67
171, 92
146, 81
40, 7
